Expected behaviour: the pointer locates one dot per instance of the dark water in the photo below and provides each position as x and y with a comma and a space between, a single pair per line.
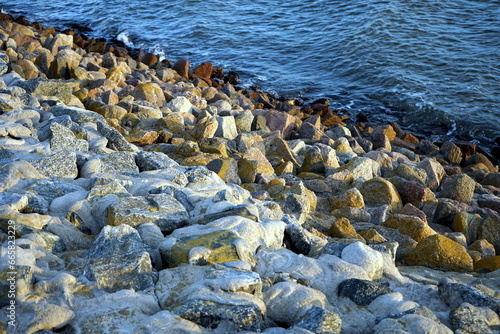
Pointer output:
429, 64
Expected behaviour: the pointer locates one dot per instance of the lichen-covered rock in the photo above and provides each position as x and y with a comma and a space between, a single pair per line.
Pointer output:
361, 168
226, 168
113, 164
491, 263
342, 228
61, 164
468, 320
412, 226
459, 188
161, 209
435, 172
119, 260
351, 197
410, 173
319, 320
455, 294
38, 316
441, 252
43, 87
379, 191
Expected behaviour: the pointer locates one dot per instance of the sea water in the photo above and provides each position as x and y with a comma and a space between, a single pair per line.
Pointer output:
432, 65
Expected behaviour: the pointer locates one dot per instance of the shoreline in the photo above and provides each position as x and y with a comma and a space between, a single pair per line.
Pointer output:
154, 197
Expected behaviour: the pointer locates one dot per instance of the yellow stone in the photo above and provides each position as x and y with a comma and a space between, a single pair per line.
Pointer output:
379, 191
487, 264
440, 252
412, 226
371, 236
342, 228
351, 198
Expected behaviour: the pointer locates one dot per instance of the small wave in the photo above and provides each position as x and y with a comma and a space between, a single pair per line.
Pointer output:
125, 38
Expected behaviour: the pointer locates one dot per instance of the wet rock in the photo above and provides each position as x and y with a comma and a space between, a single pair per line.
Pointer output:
162, 210
182, 67
119, 260
362, 292
460, 188
438, 251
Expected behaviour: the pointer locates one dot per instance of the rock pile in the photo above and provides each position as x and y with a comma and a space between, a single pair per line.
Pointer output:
150, 197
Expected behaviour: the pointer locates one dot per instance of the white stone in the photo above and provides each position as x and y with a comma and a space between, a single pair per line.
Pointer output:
60, 205
362, 255
411, 323
180, 104
227, 127
287, 302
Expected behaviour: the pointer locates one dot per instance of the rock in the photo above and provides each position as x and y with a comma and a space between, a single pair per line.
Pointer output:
42, 87
226, 168
477, 158
489, 230
490, 202
460, 188
182, 67
362, 292
342, 228
351, 197
365, 257
64, 62
162, 210
455, 294
412, 192
150, 92
379, 191
204, 70
361, 168
39, 316
483, 247
319, 320
205, 128
468, 319
287, 302
412, 226
113, 163
410, 173
310, 131
313, 162
175, 123
61, 164
116, 141
411, 323
387, 130
277, 121
492, 179
451, 152
434, 170
148, 161
437, 251
488, 264
119, 260
227, 127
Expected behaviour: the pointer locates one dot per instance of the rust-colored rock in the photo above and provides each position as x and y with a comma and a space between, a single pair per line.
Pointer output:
182, 67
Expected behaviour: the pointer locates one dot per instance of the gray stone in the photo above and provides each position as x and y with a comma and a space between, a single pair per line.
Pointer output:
51, 189
227, 127
460, 188
43, 87
115, 163
469, 320
492, 179
38, 316
319, 320
119, 260
61, 164
153, 160
410, 173
116, 141
78, 115
362, 292
454, 294
248, 211
162, 210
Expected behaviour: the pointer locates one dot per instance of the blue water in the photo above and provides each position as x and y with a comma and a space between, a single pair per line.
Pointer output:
430, 64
